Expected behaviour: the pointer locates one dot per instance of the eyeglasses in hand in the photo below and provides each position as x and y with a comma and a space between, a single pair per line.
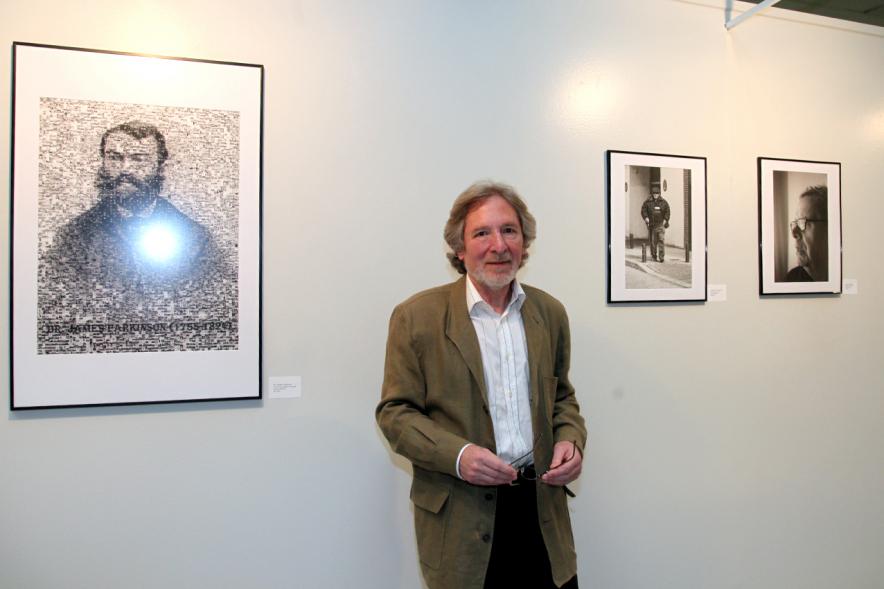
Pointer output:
524, 471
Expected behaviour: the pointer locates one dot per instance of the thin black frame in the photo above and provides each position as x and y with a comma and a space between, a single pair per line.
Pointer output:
253, 366
768, 285
617, 293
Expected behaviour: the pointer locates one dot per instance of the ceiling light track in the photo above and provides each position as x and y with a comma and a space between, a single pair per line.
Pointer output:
732, 22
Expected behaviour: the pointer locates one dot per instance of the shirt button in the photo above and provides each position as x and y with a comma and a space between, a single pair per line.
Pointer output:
486, 538
489, 496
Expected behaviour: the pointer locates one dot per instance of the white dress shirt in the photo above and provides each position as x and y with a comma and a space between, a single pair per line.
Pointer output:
505, 364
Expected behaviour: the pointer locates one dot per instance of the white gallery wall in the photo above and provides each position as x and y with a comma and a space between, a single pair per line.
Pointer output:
734, 444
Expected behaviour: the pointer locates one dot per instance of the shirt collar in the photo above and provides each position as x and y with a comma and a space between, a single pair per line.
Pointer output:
475, 302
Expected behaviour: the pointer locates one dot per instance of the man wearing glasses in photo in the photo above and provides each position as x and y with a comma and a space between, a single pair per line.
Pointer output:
476, 395
811, 233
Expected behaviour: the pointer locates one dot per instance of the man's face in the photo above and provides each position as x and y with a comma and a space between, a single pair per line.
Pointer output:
493, 243
812, 244
655, 194
130, 166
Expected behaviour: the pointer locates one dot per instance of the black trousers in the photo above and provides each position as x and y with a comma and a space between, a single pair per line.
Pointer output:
519, 559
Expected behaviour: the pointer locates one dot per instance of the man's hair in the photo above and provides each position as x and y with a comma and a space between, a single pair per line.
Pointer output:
139, 130
819, 196
471, 198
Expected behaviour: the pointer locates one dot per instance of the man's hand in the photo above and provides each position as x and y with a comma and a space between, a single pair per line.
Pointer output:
666, 225
647, 221
481, 466
566, 464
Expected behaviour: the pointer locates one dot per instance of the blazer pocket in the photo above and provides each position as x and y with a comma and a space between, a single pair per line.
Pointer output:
430, 520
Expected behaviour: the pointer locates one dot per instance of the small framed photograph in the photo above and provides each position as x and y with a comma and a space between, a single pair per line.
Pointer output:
799, 226
136, 242
656, 227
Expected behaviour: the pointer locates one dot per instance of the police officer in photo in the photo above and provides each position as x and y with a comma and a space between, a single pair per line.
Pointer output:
655, 212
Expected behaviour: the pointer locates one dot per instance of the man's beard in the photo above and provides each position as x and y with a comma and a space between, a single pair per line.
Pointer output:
494, 280
801, 252
144, 194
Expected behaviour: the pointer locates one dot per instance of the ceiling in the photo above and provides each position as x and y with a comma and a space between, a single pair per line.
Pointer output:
870, 12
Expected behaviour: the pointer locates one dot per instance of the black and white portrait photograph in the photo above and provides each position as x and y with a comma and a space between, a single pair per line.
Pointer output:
136, 228
799, 226
656, 227
138, 211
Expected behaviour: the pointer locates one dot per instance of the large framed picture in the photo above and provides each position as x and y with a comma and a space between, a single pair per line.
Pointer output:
136, 241
799, 226
656, 227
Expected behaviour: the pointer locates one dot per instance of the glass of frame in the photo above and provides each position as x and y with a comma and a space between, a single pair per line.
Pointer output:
799, 226
656, 227
136, 228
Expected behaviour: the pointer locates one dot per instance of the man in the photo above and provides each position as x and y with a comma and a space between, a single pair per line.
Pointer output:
133, 256
811, 233
655, 212
132, 238
476, 395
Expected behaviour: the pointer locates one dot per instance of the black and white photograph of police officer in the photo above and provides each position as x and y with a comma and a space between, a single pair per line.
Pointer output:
657, 228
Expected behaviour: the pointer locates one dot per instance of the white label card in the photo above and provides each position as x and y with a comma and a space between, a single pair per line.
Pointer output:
717, 293
285, 387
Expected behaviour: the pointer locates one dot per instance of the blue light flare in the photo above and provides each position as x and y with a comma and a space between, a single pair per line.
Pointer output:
159, 243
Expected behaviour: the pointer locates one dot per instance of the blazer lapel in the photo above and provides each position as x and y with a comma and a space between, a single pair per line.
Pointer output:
461, 332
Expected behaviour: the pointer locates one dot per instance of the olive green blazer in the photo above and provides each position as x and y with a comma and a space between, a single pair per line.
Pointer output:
434, 401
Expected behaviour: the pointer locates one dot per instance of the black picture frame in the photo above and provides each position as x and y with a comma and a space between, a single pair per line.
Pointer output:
131, 287
635, 273
792, 260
